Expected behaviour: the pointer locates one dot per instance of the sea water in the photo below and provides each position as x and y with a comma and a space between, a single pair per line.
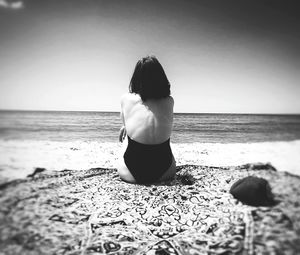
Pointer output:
187, 128
81, 140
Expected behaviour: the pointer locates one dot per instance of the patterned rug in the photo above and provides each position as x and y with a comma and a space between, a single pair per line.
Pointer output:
93, 211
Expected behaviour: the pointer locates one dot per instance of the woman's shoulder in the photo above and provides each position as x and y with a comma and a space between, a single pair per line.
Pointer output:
171, 99
168, 101
130, 98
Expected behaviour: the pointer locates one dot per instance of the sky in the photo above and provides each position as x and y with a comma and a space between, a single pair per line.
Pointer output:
228, 56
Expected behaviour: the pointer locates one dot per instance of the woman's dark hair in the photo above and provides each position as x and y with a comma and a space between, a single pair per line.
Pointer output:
149, 79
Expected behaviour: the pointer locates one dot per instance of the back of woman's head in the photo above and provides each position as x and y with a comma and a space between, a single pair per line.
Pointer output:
149, 79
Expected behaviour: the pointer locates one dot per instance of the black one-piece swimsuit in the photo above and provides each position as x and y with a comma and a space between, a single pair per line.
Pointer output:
147, 162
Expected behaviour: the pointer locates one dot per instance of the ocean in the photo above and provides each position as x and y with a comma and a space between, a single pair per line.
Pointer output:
187, 128
82, 140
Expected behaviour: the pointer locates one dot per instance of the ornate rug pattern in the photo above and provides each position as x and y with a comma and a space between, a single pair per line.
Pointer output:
93, 211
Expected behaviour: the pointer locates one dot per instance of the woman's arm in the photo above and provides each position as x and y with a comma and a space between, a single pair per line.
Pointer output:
122, 134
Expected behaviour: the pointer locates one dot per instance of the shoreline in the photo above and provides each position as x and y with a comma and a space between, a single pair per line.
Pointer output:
19, 158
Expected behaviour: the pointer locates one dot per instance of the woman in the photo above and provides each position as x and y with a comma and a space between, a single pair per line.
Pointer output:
147, 115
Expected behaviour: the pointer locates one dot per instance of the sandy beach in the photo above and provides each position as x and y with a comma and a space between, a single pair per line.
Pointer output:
20, 158
78, 204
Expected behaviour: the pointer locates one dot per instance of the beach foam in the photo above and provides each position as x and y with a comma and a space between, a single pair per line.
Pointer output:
284, 156
18, 158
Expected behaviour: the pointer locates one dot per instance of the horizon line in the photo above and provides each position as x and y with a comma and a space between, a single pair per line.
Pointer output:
112, 111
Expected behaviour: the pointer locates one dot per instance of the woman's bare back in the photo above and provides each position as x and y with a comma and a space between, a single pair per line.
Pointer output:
148, 122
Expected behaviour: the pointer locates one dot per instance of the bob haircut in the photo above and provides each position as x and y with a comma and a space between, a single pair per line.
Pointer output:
149, 79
